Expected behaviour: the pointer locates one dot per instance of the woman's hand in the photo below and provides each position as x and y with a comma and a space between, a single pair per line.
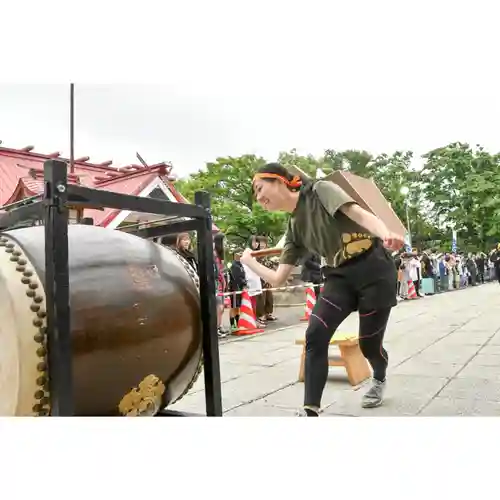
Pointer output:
246, 256
393, 241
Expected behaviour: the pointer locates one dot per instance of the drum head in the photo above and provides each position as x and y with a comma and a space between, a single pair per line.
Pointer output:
22, 335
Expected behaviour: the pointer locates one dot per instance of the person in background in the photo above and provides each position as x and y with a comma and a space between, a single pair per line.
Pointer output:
405, 276
220, 282
265, 302
237, 283
255, 290
480, 263
414, 268
183, 247
428, 271
443, 279
397, 262
470, 264
495, 260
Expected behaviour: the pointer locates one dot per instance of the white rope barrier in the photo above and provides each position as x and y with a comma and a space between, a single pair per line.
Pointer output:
278, 289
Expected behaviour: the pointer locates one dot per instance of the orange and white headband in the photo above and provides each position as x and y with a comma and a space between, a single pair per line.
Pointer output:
296, 181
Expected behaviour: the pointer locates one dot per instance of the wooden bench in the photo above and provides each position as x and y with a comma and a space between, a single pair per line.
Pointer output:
351, 358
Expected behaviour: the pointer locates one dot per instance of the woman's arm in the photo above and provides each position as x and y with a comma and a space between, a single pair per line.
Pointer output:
373, 225
275, 278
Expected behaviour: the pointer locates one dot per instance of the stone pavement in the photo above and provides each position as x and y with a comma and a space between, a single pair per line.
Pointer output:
444, 360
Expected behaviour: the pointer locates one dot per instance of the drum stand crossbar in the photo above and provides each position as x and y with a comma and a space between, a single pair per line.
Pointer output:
52, 210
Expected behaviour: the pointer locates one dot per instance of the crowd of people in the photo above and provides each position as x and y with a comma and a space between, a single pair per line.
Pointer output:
231, 279
424, 273
427, 272
430, 272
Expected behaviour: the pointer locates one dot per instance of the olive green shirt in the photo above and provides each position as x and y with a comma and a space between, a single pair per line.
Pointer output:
317, 225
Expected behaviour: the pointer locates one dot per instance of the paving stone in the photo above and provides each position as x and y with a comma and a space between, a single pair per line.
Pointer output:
495, 339
256, 385
293, 396
486, 360
490, 349
263, 358
422, 367
474, 370
472, 388
441, 353
259, 409
446, 407
402, 406
405, 396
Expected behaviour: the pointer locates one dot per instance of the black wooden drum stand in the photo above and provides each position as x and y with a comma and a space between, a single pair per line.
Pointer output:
52, 210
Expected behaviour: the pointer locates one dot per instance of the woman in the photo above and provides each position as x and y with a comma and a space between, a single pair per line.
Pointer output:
237, 283
255, 284
220, 282
183, 247
265, 301
359, 273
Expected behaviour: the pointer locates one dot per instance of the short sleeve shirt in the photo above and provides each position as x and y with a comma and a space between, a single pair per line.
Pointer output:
317, 225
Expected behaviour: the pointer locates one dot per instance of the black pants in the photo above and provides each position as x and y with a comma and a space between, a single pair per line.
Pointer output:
367, 284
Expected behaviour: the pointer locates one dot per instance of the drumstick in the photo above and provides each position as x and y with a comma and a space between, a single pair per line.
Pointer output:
267, 251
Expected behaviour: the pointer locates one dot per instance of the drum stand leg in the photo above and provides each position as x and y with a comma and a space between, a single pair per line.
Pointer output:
213, 397
57, 289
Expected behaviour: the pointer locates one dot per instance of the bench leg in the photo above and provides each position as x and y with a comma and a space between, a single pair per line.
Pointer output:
302, 365
356, 365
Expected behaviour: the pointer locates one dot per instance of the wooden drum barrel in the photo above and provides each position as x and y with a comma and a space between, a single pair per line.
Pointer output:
135, 323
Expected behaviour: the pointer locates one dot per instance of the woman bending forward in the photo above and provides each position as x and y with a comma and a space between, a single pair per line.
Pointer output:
360, 273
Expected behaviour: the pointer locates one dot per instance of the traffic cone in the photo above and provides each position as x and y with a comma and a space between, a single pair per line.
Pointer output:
310, 303
247, 324
412, 294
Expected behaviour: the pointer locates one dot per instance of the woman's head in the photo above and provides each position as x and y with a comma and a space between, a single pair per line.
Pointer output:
183, 241
253, 242
275, 188
219, 245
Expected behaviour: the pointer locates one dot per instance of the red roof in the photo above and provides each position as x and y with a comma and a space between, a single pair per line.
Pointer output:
21, 176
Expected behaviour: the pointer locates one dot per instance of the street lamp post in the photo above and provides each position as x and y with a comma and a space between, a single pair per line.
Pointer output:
404, 191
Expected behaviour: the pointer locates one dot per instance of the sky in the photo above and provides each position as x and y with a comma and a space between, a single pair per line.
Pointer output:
378, 76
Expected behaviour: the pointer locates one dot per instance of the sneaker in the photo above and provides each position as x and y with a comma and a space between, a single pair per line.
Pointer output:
222, 333
303, 412
375, 395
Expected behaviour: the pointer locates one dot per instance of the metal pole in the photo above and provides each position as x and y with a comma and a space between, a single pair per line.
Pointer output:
408, 222
72, 128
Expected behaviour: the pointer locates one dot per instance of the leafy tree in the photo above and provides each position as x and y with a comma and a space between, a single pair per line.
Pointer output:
308, 164
356, 162
461, 185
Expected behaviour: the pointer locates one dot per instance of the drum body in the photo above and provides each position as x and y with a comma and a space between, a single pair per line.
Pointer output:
135, 313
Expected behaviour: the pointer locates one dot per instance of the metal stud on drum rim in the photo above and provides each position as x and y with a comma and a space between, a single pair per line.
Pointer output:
23, 365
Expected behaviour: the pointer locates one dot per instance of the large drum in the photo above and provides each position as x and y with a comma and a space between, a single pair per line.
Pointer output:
135, 323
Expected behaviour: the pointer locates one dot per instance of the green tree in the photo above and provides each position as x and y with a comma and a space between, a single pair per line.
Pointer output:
308, 164
461, 184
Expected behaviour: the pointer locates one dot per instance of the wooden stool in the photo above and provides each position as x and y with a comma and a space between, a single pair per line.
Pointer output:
351, 358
